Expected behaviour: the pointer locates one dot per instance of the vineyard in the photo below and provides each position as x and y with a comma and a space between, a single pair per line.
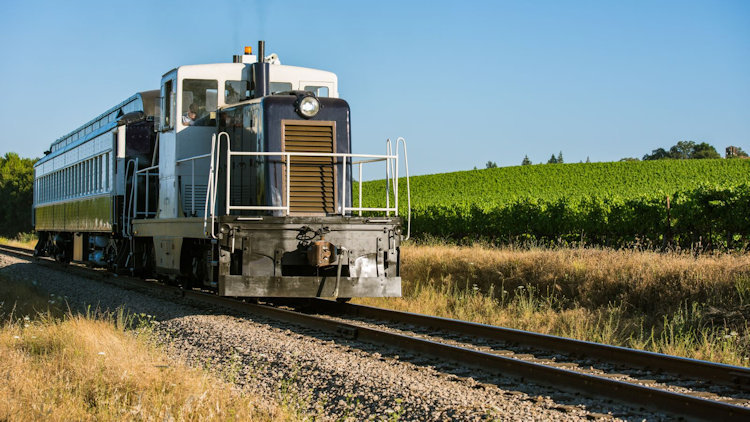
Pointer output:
675, 202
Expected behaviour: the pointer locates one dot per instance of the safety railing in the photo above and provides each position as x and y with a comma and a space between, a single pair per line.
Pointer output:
391, 159
192, 185
152, 171
130, 210
146, 173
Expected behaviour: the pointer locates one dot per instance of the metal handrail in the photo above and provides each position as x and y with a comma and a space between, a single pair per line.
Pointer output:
392, 165
213, 182
359, 164
402, 141
148, 169
389, 151
287, 163
126, 212
392, 169
315, 154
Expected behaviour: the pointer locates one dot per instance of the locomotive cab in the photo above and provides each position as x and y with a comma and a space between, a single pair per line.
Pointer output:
191, 97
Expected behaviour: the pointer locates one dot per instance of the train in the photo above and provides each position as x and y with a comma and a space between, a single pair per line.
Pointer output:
233, 177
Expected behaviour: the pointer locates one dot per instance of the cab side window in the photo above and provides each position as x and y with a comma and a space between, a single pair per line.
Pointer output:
199, 102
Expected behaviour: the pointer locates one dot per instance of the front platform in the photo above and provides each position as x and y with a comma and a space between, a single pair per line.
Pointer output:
294, 256
291, 286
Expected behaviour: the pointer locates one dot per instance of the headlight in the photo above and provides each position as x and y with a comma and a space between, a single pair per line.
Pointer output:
308, 107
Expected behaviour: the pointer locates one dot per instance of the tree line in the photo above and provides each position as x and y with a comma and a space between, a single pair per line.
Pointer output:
682, 150
16, 191
690, 150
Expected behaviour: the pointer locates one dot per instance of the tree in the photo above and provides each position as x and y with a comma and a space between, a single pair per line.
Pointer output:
560, 158
629, 159
16, 181
587, 159
552, 160
526, 161
704, 150
490, 165
657, 154
682, 150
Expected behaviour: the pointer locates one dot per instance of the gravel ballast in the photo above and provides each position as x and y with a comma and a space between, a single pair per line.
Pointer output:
323, 376
656, 379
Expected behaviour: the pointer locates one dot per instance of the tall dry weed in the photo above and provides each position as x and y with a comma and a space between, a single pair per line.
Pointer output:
649, 282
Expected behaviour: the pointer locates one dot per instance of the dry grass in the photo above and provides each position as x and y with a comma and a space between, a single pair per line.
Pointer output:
673, 303
648, 281
83, 369
23, 240
79, 368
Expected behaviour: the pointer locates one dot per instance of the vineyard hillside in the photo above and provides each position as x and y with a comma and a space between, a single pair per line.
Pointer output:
688, 203
550, 182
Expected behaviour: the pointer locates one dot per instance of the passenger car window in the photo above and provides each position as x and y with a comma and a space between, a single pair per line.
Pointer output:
199, 102
319, 91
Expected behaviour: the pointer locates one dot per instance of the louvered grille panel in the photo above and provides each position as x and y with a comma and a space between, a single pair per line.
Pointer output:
194, 207
312, 185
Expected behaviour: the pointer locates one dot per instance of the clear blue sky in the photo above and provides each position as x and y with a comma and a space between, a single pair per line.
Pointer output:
463, 82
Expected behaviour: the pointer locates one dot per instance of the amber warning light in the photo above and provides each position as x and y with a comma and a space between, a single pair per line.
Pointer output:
248, 50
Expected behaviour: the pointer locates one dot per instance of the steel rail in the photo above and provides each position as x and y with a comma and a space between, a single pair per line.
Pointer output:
730, 375
17, 249
678, 404
691, 407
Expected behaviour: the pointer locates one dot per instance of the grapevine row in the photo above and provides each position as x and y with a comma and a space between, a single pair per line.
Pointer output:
670, 202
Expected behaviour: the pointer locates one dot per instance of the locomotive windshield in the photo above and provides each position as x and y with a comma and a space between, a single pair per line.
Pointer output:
319, 91
236, 91
277, 87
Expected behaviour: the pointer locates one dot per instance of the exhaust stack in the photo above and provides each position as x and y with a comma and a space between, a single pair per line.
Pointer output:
260, 83
261, 51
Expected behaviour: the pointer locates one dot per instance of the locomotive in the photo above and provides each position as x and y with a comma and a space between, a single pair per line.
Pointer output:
234, 177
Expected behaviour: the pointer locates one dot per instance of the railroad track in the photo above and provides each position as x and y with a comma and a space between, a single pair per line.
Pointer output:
538, 358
